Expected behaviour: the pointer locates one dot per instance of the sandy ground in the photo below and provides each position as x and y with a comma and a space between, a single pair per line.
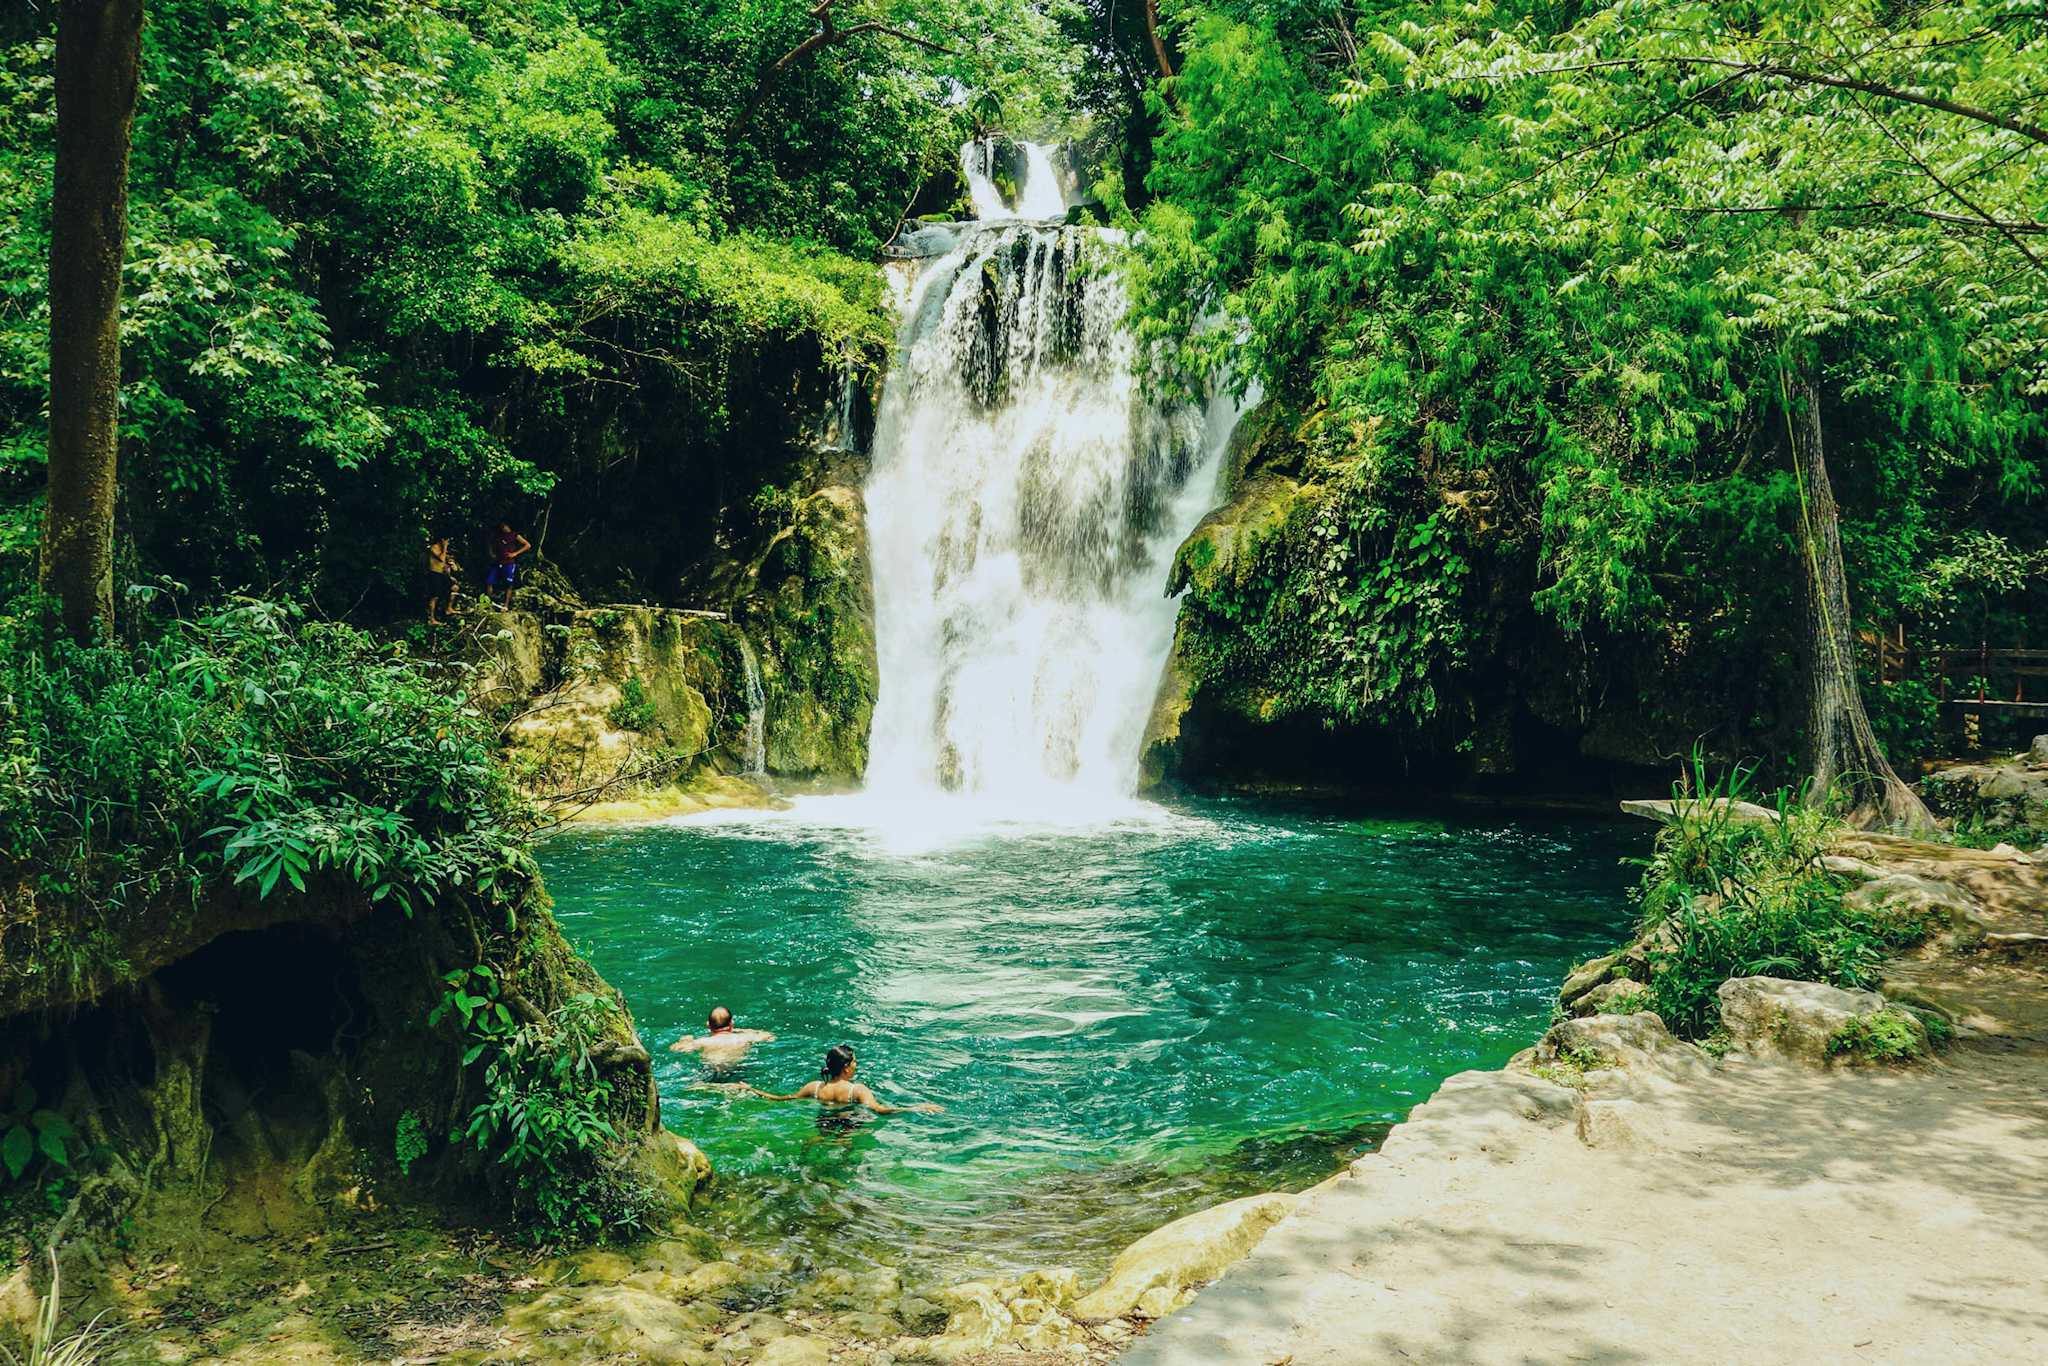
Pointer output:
1757, 1213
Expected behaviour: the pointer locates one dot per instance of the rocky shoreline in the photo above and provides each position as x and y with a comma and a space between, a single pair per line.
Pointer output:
1617, 1194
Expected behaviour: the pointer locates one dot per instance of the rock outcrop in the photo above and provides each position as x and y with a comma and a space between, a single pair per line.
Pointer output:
614, 700
1773, 1017
2010, 794
1158, 1273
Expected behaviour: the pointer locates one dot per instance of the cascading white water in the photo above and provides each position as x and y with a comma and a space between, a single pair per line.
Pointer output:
756, 739
1024, 504
1039, 191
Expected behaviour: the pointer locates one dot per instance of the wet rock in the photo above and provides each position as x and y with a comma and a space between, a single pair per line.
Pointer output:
839, 1289
1185, 1253
868, 1325
678, 1164
618, 1320
1059, 1286
1773, 1017
2037, 753
1841, 865
711, 1278
793, 1351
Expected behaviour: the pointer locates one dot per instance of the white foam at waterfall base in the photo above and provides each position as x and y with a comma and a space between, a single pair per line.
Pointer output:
1024, 505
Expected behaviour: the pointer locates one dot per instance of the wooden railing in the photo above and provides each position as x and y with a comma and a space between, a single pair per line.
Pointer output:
1987, 679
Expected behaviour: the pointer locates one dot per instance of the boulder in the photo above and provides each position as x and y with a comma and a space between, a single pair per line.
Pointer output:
678, 1164
1185, 1253
1774, 1017
1637, 1043
2037, 753
2010, 793
1932, 902
793, 1351
1623, 994
1585, 977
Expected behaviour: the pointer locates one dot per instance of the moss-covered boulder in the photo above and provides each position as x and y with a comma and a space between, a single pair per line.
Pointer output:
807, 602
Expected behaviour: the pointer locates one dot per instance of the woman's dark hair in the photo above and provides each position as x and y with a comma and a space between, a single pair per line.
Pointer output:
838, 1058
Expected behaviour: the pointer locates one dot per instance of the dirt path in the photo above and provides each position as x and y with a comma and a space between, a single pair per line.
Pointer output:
1750, 1212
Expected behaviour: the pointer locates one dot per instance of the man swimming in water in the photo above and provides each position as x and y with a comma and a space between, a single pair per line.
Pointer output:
724, 1045
836, 1086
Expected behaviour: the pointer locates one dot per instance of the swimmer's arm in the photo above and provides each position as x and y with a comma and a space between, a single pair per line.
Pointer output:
882, 1107
810, 1090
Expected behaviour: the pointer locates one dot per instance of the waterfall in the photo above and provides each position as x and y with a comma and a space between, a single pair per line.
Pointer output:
1039, 192
1024, 503
757, 709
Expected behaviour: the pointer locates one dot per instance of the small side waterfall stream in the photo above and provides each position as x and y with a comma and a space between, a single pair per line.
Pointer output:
1025, 500
756, 739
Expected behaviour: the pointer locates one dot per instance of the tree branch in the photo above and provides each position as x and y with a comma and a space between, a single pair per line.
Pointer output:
1804, 77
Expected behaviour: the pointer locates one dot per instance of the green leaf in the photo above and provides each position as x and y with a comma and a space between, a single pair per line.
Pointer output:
16, 1149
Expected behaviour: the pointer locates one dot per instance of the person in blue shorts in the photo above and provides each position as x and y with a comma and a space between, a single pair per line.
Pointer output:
506, 548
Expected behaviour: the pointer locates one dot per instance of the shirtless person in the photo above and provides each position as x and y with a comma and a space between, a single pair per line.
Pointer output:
440, 571
724, 1045
836, 1086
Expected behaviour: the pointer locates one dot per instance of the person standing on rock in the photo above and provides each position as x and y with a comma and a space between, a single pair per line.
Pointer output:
836, 1086
723, 1045
507, 546
440, 574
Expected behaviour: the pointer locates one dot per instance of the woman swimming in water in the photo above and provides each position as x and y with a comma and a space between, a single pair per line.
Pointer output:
835, 1086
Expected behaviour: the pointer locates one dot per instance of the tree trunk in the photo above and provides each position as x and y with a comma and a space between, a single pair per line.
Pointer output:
98, 49
1158, 41
1845, 767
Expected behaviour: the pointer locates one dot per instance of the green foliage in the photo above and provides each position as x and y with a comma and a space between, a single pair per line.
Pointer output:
398, 265
248, 745
1888, 1035
32, 1136
544, 1116
1550, 266
633, 710
1728, 896
409, 1141
1570, 1067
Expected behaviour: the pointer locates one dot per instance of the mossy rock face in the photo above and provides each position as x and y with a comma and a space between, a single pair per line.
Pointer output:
622, 689
808, 606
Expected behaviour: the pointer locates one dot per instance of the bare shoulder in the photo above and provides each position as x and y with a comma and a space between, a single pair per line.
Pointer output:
863, 1096
686, 1044
756, 1035
810, 1089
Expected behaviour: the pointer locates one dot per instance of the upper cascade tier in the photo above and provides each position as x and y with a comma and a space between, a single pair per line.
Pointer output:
1041, 192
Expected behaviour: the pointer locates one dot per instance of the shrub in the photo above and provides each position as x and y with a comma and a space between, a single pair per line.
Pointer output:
544, 1115
1724, 896
634, 710
248, 742
1891, 1034
409, 1143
